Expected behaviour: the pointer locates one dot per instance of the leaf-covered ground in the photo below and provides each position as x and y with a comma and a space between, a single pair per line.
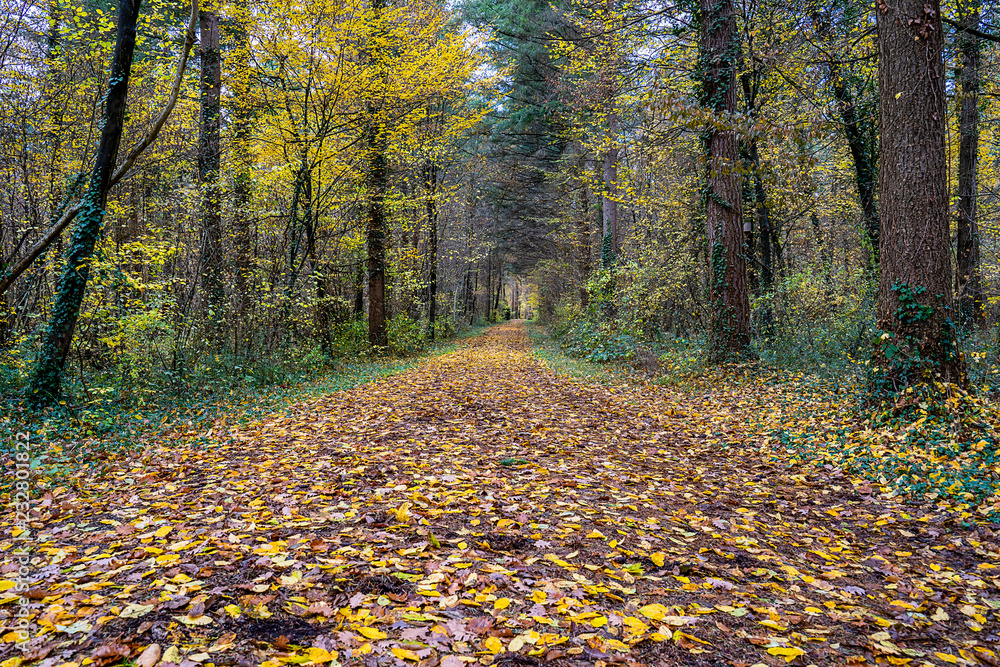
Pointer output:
481, 509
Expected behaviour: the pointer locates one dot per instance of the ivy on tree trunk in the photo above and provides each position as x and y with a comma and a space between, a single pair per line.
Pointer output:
47, 378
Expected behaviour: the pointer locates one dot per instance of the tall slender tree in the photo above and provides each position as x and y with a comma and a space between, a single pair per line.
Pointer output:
376, 145
968, 277
47, 379
209, 154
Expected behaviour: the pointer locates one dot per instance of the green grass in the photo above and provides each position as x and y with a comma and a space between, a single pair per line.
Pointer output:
545, 348
81, 434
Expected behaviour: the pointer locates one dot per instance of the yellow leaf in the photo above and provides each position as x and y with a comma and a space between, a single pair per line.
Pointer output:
198, 620
658, 558
947, 657
515, 644
654, 611
6, 585
372, 633
501, 604
596, 534
789, 652
774, 625
539, 596
493, 645
319, 655
600, 621
405, 654
233, 610
163, 531
12, 662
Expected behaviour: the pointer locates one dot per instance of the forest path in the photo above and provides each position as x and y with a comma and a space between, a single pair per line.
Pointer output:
480, 508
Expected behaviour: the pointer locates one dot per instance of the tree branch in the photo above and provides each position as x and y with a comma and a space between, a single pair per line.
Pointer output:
972, 31
122, 171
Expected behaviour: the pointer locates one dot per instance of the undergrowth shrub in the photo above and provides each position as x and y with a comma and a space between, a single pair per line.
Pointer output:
405, 335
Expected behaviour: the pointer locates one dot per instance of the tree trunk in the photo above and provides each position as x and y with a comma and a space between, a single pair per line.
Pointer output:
724, 197
609, 205
430, 182
359, 290
969, 281
47, 379
763, 274
242, 189
208, 164
378, 336
861, 139
583, 243
915, 304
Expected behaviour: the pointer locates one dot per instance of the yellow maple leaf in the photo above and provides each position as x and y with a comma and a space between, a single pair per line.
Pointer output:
371, 633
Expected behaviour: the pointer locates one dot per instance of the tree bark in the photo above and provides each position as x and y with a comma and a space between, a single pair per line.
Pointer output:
861, 140
208, 164
915, 304
378, 336
47, 379
584, 242
242, 188
730, 335
969, 281
430, 183
609, 205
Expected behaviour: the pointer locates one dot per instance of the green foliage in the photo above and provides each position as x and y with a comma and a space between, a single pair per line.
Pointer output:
405, 336
807, 322
349, 338
444, 328
599, 341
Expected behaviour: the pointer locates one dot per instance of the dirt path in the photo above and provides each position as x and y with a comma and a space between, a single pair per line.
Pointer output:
481, 509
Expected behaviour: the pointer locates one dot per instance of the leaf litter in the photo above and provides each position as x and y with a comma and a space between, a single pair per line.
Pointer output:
482, 510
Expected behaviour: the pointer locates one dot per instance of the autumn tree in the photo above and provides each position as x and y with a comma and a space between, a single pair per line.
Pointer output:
48, 373
718, 65
915, 302
968, 277
209, 160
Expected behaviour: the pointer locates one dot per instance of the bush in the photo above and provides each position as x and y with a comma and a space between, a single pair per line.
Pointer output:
599, 342
349, 339
405, 335
444, 328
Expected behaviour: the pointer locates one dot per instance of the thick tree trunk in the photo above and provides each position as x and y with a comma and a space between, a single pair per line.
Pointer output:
915, 304
724, 197
969, 281
47, 378
430, 183
208, 164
